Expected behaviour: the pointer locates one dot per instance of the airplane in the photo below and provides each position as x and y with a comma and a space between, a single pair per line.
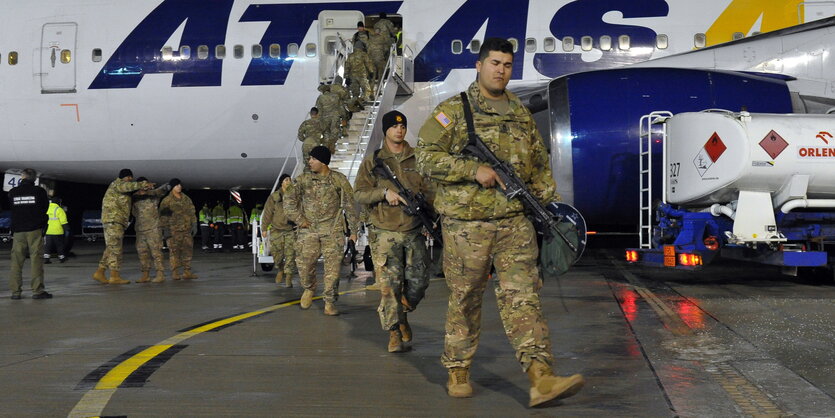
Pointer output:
213, 91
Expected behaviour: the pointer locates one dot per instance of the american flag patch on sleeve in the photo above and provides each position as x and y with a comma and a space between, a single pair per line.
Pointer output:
442, 119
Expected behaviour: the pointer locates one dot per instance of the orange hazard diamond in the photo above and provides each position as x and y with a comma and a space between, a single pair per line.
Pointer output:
715, 147
773, 144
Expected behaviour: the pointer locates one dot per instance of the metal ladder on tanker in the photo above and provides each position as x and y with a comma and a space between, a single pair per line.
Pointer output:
645, 138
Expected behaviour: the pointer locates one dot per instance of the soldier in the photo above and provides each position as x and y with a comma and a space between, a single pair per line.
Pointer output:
316, 203
311, 132
332, 108
359, 69
148, 231
236, 226
482, 227
399, 247
361, 35
115, 212
29, 219
206, 226
378, 51
385, 26
219, 218
345, 97
177, 215
280, 229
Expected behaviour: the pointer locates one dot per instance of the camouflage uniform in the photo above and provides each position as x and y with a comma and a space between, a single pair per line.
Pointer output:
115, 213
345, 96
378, 51
386, 28
331, 109
399, 248
310, 133
359, 68
148, 232
320, 199
481, 226
178, 215
282, 234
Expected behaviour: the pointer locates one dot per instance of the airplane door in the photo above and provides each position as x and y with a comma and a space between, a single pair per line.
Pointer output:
336, 28
58, 58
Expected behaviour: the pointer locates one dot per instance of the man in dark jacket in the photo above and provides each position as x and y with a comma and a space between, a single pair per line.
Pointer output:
29, 219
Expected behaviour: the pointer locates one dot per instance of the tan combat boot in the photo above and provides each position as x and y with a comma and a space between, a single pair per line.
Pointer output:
279, 277
545, 386
160, 277
99, 276
175, 274
306, 300
396, 342
458, 385
146, 277
405, 330
289, 279
330, 309
115, 278
188, 275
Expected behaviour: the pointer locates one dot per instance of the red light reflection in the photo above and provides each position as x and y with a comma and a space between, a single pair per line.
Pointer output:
691, 314
629, 304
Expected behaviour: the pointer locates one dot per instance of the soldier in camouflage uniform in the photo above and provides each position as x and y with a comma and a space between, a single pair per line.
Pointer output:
378, 51
316, 204
177, 214
386, 27
281, 232
115, 213
331, 108
359, 69
361, 35
310, 132
345, 97
399, 248
482, 227
148, 231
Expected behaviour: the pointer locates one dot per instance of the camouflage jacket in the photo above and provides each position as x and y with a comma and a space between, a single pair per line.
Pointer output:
146, 208
359, 65
343, 95
178, 215
330, 105
274, 216
319, 198
311, 129
115, 206
370, 189
512, 137
379, 47
361, 36
386, 28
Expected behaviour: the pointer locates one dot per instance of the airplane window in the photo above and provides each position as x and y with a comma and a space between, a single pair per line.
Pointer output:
605, 42
475, 46
457, 46
568, 44
310, 50
167, 53
257, 51
292, 50
530, 45
66, 56
586, 43
662, 42
220, 52
550, 44
699, 40
738, 35
515, 44
185, 52
238, 51
202, 52
624, 43
97, 55
275, 51
12, 58
330, 45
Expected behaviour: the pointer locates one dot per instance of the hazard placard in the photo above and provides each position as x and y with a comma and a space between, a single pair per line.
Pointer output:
715, 147
773, 144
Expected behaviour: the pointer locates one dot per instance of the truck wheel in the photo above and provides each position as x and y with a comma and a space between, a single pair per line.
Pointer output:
267, 266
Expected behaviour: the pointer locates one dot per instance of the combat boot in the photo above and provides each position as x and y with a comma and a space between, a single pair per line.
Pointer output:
330, 309
175, 274
160, 277
458, 385
279, 277
115, 278
289, 279
396, 342
306, 300
545, 386
188, 275
146, 277
405, 330
99, 276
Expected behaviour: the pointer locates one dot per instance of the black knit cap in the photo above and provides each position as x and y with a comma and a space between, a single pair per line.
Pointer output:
125, 172
173, 182
393, 118
281, 178
322, 154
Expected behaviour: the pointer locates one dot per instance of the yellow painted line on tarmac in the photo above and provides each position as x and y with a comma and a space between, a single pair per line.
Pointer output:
93, 402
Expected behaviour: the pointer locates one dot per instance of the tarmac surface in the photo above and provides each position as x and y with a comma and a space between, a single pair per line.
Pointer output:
731, 340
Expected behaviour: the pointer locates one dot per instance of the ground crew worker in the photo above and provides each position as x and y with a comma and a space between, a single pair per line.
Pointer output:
316, 204
149, 232
482, 227
359, 69
219, 219
378, 51
331, 108
235, 218
399, 249
29, 219
361, 35
206, 225
177, 215
115, 213
54, 241
385, 26
253, 216
281, 232
311, 132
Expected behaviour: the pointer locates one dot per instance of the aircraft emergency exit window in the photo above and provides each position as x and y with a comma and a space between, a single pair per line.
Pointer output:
66, 56
475, 46
13, 58
550, 44
737, 36
530, 45
97, 55
238, 51
605, 43
624, 42
220, 52
699, 40
292, 50
568, 43
167, 53
515, 43
586, 43
185, 52
202, 52
257, 51
330, 46
275, 50
662, 41
457, 46
310, 50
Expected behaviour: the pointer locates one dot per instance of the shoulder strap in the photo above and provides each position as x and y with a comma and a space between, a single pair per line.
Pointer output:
468, 116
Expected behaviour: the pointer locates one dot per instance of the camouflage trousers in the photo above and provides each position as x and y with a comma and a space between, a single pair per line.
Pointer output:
112, 257
361, 89
181, 248
149, 248
470, 248
326, 239
331, 128
283, 250
27, 243
400, 259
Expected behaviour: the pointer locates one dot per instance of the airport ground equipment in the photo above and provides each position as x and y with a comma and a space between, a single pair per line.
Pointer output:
5, 226
91, 227
747, 186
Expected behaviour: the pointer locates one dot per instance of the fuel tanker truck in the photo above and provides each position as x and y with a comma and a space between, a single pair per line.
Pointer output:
738, 185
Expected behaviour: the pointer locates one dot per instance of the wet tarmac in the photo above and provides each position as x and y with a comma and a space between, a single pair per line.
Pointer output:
731, 340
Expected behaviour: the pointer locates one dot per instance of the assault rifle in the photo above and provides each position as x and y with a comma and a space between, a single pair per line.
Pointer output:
416, 204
